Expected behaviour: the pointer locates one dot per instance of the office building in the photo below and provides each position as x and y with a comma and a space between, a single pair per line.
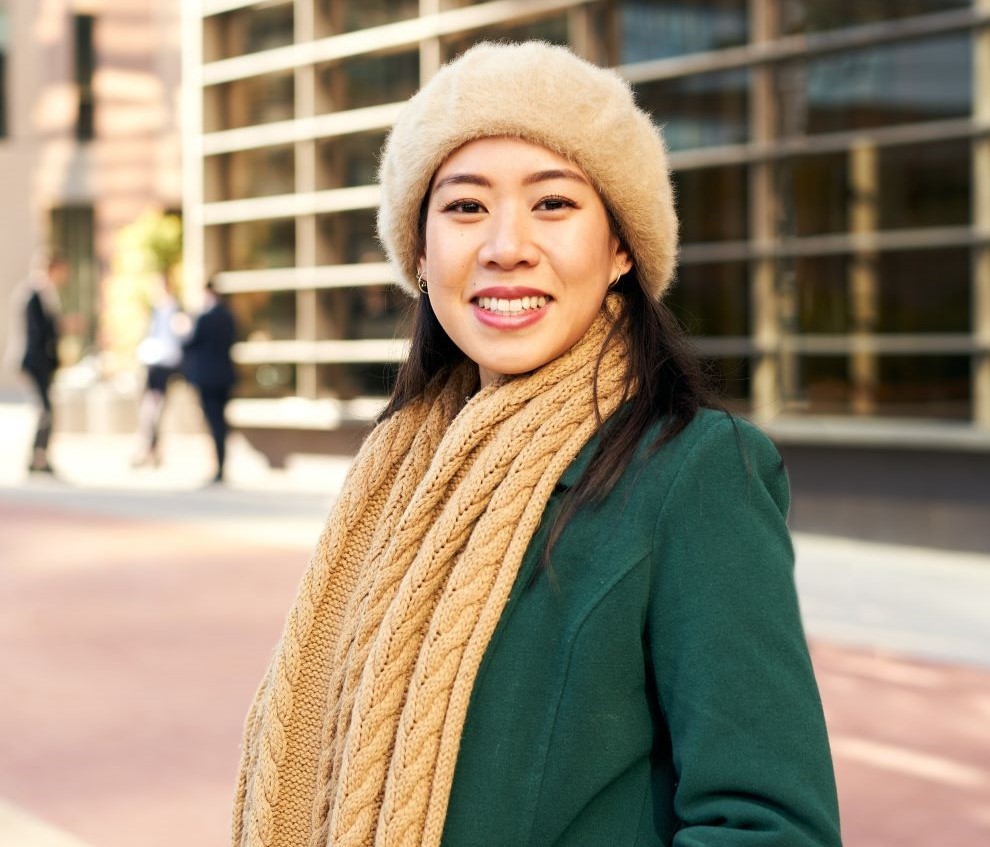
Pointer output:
89, 140
832, 164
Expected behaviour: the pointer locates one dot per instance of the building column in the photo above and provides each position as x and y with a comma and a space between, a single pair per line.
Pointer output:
863, 370
193, 237
981, 225
430, 59
766, 331
307, 319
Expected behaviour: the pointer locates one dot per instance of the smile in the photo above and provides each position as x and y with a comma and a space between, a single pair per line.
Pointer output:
514, 306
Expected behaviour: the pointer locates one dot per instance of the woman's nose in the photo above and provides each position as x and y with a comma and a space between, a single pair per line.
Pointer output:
508, 241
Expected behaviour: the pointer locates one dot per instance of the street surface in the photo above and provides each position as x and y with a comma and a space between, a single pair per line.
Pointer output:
138, 610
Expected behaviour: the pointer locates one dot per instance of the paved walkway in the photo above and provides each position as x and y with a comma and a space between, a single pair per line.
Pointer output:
138, 608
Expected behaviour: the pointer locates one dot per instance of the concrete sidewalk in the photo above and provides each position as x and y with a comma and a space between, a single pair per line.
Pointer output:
922, 602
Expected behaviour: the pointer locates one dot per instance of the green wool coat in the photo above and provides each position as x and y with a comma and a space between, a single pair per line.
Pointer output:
655, 687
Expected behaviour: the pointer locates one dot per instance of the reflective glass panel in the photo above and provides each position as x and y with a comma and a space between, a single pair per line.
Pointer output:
247, 30
367, 81
711, 299
896, 386
814, 194
906, 82
821, 385
263, 315
346, 238
348, 380
925, 185
650, 30
924, 291
816, 15
924, 386
371, 311
552, 29
699, 111
248, 102
712, 203
821, 301
255, 245
349, 160
267, 380
903, 291
250, 173
334, 16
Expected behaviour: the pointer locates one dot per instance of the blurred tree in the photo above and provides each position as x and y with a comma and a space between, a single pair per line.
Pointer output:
146, 249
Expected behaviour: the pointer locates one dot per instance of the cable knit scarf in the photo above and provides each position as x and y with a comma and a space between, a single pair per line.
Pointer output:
353, 735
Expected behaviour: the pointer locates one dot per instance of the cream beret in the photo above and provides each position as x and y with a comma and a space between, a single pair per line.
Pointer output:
547, 95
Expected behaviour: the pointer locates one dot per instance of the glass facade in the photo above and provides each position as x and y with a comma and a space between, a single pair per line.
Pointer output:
827, 156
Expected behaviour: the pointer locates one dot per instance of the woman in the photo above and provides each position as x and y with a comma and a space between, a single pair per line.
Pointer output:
161, 353
554, 604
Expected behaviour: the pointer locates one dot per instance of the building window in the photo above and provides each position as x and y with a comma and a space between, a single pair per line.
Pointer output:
72, 232
346, 161
927, 79
711, 299
85, 65
699, 111
247, 30
333, 17
249, 102
552, 29
250, 173
649, 30
367, 81
806, 16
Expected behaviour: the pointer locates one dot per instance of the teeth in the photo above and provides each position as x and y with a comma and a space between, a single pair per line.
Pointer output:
500, 305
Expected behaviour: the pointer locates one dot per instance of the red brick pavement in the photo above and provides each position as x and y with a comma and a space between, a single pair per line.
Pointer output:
131, 649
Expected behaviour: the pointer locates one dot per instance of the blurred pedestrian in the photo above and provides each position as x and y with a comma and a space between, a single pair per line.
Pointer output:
33, 341
161, 353
555, 602
208, 367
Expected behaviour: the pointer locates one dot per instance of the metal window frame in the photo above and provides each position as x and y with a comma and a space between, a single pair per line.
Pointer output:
765, 52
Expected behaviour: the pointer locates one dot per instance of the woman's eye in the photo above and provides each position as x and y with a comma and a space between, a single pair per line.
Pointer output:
554, 204
469, 207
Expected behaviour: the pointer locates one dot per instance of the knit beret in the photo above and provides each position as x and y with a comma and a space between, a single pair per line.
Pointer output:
545, 94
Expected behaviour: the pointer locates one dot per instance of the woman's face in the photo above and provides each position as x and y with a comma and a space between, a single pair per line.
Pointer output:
518, 254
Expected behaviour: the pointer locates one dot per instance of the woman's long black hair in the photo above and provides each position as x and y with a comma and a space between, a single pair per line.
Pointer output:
665, 385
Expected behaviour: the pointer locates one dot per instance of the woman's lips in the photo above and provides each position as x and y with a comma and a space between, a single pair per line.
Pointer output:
511, 312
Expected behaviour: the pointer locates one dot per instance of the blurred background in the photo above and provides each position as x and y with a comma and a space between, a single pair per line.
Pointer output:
832, 165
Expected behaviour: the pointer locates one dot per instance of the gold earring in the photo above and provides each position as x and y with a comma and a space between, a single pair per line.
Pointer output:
420, 281
615, 281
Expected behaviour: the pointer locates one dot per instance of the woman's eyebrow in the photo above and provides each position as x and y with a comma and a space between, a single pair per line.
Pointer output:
538, 176
555, 173
463, 179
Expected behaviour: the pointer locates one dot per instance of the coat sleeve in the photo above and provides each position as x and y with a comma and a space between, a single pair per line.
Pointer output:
40, 353
733, 674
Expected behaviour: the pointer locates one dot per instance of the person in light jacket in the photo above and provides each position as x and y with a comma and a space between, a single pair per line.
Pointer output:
554, 602
160, 351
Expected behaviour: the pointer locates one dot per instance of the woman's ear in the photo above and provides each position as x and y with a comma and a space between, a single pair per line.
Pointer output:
622, 261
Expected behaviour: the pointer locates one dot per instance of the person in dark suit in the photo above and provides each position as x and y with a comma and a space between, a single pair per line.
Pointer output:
40, 346
208, 367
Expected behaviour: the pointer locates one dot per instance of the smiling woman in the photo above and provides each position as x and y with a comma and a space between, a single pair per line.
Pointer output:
518, 268
554, 603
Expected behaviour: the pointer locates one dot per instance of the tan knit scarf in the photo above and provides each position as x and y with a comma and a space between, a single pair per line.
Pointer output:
354, 733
